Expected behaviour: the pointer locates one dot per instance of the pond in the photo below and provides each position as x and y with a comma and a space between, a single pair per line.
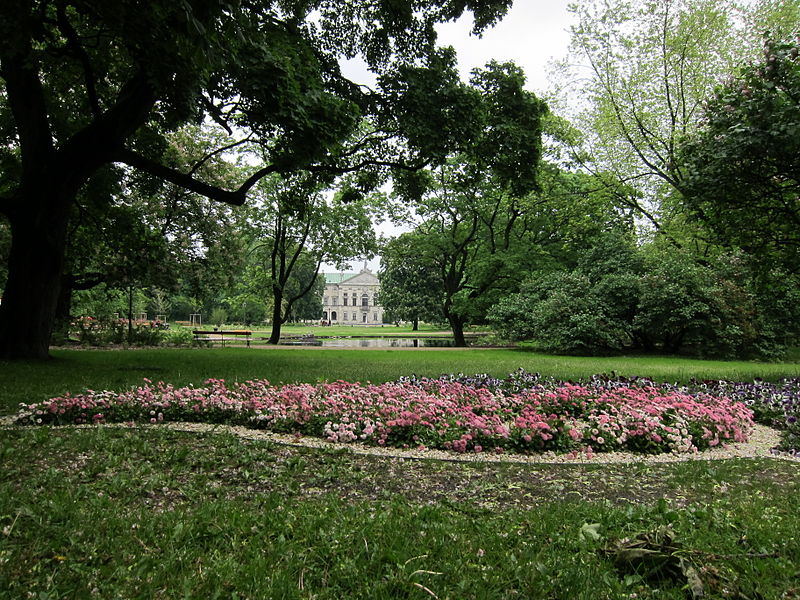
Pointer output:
377, 342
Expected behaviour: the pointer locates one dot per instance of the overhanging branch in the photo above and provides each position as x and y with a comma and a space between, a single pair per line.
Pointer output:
234, 198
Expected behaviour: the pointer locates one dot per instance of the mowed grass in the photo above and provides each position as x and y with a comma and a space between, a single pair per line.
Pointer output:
154, 513
149, 512
77, 370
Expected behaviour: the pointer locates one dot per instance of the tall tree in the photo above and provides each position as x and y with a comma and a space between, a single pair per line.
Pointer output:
410, 288
468, 241
473, 195
128, 227
652, 63
297, 228
743, 165
90, 83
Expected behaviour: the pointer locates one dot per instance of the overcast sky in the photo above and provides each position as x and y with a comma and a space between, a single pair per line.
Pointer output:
532, 34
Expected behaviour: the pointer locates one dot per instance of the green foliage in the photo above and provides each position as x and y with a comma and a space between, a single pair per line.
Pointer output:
89, 331
477, 241
107, 85
410, 290
563, 312
219, 316
510, 144
652, 66
179, 337
293, 228
741, 166
655, 297
246, 305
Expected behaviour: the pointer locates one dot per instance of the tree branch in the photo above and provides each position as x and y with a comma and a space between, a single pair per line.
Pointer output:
73, 43
234, 198
213, 153
367, 163
216, 114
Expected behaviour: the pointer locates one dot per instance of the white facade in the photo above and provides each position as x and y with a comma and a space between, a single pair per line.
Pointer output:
351, 299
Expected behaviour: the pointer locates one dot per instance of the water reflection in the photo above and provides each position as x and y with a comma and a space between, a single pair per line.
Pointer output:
372, 342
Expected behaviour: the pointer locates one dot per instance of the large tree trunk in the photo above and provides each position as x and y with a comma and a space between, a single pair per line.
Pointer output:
277, 316
35, 269
457, 325
63, 315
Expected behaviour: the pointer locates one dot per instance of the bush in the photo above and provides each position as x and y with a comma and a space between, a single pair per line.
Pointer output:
563, 313
90, 331
665, 301
180, 337
101, 332
219, 316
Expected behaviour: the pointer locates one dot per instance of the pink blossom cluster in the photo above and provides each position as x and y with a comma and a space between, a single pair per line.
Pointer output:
436, 414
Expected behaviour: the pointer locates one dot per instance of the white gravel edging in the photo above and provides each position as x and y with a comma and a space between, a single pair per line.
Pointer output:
761, 440
759, 445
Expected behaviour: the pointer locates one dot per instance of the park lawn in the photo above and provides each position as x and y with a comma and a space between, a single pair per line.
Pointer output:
145, 512
77, 370
149, 512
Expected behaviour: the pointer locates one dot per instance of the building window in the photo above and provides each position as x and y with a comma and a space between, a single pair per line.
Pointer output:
344, 317
325, 300
333, 316
375, 317
354, 299
324, 315
334, 300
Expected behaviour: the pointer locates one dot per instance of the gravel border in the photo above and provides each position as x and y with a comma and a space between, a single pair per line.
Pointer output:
759, 445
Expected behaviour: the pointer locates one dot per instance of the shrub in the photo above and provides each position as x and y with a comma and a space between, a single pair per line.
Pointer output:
218, 316
563, 313
666, 300
180, 337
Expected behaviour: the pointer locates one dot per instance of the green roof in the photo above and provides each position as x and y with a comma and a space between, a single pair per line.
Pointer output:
338, 277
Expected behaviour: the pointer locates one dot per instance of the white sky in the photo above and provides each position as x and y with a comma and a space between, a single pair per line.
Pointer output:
533, 33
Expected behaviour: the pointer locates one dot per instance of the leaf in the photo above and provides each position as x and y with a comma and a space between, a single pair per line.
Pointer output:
693, 579
590, 531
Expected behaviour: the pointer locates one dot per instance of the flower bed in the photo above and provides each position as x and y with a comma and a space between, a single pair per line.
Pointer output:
776, 405
520, 414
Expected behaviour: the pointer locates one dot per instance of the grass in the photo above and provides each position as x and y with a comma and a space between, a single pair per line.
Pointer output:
77, 370
151, 512
154, 513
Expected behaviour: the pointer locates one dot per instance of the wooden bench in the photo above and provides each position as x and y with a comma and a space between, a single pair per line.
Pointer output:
219, 336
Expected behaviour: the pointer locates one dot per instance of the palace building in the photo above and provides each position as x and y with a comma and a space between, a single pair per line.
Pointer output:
352, 299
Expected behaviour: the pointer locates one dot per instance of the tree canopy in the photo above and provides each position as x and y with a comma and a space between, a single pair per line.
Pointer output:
295, 228
88, 84
651, 67
743, 165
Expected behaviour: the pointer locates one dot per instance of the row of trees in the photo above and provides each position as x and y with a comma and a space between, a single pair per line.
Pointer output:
214, 151
93, 91
685, 158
